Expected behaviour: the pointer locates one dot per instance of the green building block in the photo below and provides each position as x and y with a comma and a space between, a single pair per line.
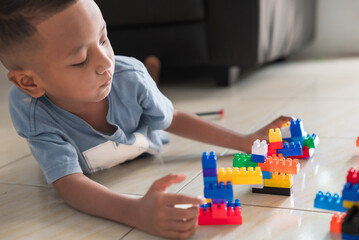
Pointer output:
243, 160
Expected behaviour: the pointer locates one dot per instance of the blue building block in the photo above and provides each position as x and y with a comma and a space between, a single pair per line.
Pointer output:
329, 202
219, 201
234, 204
210, 172
296, 128
221, 191
350, 237
258, 158
266, 175
209, 161
350, 192
210, 180
299, 139
293, 149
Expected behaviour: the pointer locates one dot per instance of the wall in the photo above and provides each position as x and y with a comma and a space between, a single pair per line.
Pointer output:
337, 30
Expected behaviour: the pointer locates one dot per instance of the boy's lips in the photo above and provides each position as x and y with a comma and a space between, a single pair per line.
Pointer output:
108, 82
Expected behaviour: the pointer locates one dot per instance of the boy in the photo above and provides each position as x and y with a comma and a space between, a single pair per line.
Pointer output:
82, 109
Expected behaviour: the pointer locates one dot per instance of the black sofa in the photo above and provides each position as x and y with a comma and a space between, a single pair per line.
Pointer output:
214, 33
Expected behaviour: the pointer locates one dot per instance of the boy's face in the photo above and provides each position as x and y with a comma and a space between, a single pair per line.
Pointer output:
76, 62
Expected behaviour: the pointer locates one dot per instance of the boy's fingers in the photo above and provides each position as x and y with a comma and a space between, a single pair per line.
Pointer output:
181, 225
180, 234
166, 181
174, 199
180, 214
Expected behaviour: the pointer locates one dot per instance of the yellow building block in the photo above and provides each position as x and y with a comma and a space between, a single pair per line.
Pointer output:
279, 180
241, 175
275, 136
350, 204
225, 176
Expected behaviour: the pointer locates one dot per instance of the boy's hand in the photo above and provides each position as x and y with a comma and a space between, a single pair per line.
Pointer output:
263, 133
158, 214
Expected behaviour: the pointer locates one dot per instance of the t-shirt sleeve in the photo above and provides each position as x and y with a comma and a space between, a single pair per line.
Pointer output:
157, 108
57, 157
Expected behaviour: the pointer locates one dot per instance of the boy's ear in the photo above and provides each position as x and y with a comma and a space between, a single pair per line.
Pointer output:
27, 81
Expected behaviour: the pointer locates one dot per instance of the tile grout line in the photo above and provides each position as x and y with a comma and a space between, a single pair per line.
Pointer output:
126, 234
16, 160
25, 185
284, 208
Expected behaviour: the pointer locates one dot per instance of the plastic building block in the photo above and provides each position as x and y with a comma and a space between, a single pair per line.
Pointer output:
349, 204
353, 176
273, 190
275, 135
241, 175
258, 158
296, 128
279, 180
350, 237
357, 143
260, 148
210, 180
351, 192
275, 164
218, 201
293, 149
219, 211
243, 160
285, 130
220, 191
266, 175
298, 139
307, 153
214, 215
271, 151
209, 172
350, 223
329, 202
275, 145
311, 141
209, 161
336, 222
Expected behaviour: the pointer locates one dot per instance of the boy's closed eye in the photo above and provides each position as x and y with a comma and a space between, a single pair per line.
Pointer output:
84, 62
80, 64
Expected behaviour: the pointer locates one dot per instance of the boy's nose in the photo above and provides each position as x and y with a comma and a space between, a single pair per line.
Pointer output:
104, 63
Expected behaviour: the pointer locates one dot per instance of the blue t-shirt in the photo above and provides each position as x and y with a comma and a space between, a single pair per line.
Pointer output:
63, 143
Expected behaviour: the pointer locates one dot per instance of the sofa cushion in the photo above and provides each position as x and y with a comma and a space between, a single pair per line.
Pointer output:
144, 12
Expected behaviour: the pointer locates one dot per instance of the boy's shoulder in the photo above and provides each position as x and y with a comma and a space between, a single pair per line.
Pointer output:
29, 115
123, 63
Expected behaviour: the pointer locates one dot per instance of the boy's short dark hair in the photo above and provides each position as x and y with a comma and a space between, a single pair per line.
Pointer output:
18, 19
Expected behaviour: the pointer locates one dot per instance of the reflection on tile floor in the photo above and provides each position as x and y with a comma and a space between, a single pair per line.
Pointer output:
323, 93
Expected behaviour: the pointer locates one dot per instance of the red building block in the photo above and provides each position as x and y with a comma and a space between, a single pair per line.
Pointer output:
275, 145
357, 142
206, 217
271, 151
353, 176
336, 222
219, 212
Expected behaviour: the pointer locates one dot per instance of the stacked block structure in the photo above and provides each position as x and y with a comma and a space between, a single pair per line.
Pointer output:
294, 134
221, 209
345, 223
266, 169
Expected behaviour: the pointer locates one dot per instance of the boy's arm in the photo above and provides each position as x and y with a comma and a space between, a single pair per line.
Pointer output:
154, 213
193, 127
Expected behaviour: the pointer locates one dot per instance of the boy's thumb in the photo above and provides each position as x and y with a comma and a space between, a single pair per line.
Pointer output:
166, 181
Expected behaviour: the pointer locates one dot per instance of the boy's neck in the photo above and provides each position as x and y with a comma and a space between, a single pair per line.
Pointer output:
93, 113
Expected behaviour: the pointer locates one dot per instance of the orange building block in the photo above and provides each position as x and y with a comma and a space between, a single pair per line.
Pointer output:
282, 165
358, 142
336, 222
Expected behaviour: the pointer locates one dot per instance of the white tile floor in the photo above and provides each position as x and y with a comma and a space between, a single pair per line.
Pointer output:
323, 93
